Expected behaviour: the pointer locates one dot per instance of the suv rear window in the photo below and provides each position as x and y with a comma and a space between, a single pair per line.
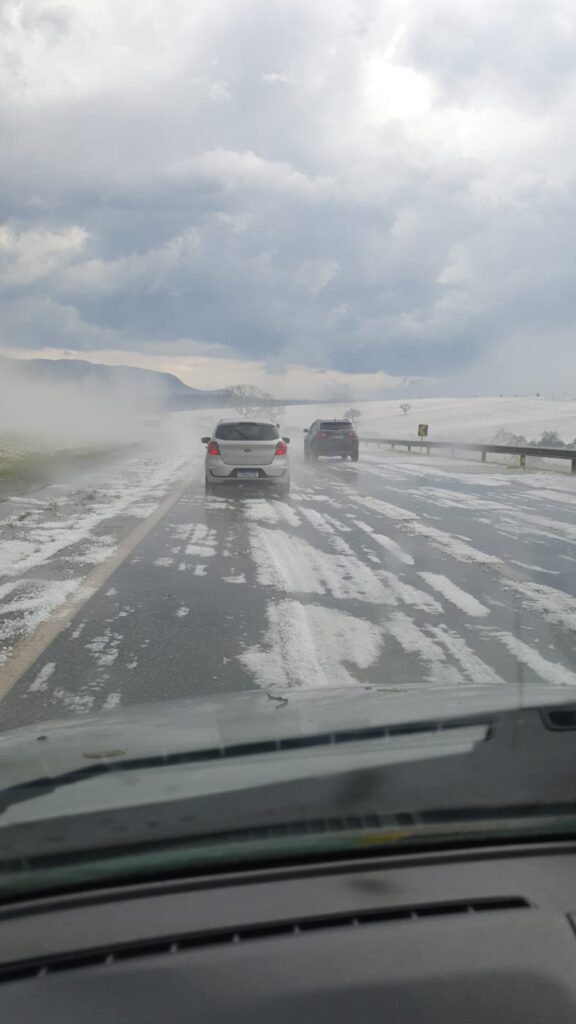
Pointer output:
336, 425
244, 431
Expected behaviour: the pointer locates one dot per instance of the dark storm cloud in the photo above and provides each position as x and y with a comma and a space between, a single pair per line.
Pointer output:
246, 180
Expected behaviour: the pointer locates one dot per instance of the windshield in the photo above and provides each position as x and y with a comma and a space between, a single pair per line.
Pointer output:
246, 432
287, 431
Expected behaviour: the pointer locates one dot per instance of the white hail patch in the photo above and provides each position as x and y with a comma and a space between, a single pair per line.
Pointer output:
458, 597
312, 647
292, 565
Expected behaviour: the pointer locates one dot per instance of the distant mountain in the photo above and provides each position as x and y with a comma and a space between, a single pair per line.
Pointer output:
148, 387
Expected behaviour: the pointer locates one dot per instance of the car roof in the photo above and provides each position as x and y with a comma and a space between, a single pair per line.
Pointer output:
244, 419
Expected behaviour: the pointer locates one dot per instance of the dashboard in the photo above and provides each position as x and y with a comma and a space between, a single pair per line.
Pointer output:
466, 937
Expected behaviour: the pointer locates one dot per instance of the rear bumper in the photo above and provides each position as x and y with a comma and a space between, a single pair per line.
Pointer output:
343, 448
220, 472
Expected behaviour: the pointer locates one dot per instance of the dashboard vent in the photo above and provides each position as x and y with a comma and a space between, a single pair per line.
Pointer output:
560, 719
46, 966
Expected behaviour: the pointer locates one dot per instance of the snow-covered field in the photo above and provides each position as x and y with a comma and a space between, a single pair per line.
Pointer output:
471, 419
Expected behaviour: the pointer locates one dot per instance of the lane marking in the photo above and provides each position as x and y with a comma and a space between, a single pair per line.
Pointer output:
30, 648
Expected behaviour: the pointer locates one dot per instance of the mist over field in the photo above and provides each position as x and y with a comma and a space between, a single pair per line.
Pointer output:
65, 415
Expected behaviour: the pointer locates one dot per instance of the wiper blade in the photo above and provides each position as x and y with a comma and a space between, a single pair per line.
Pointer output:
44, 785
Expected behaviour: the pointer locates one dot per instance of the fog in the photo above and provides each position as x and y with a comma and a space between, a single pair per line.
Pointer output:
42, 413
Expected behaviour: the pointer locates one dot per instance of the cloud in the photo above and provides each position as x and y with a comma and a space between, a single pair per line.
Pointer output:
244, 171
28, 256
343, 185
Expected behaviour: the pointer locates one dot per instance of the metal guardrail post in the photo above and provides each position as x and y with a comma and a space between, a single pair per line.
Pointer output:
466, 447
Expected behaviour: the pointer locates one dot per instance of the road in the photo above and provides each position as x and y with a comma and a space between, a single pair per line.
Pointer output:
400, 572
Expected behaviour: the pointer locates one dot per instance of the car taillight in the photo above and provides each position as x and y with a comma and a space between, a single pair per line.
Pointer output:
281, 448
322, 433
351, 433
213, 448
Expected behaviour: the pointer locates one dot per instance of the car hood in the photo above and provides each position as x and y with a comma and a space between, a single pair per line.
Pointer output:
166, 727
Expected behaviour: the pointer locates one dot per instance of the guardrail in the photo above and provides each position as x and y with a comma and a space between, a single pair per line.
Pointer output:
523, 452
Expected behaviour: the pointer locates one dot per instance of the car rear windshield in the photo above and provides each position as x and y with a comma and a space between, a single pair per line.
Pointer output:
247, 432
336, 425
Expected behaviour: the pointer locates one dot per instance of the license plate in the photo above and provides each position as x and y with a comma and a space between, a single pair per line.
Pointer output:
247, 474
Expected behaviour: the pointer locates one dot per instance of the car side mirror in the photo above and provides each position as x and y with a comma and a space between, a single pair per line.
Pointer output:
305, 430
286, 440
204, 440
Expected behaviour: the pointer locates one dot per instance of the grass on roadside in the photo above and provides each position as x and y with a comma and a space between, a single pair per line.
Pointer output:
24, 465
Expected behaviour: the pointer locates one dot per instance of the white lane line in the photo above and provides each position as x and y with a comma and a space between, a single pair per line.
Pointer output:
548, 671
386, 542
458, 597
312, 647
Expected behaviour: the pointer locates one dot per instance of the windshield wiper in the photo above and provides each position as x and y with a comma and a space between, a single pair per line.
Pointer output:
44, 785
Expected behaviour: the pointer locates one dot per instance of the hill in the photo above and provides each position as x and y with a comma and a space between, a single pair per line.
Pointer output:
148, 388
469, 419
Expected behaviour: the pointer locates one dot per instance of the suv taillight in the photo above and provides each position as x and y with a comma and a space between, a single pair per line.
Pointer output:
322, 433
213, 448
281, 448
352, 433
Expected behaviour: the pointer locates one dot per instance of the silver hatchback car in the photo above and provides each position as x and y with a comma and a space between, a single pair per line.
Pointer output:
247, 452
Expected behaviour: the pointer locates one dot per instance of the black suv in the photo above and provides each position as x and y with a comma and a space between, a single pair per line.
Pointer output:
331, 437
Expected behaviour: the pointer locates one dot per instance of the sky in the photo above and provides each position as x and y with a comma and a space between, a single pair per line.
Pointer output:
321, 197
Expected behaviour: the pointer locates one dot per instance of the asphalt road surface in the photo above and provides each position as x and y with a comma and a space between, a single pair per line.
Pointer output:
400, 572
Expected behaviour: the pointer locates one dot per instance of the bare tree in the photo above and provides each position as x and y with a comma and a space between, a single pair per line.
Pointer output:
249, 400
405, 407
549, 439
353, 415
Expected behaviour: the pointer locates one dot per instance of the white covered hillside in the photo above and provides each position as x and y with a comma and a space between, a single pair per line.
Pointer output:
471, 419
